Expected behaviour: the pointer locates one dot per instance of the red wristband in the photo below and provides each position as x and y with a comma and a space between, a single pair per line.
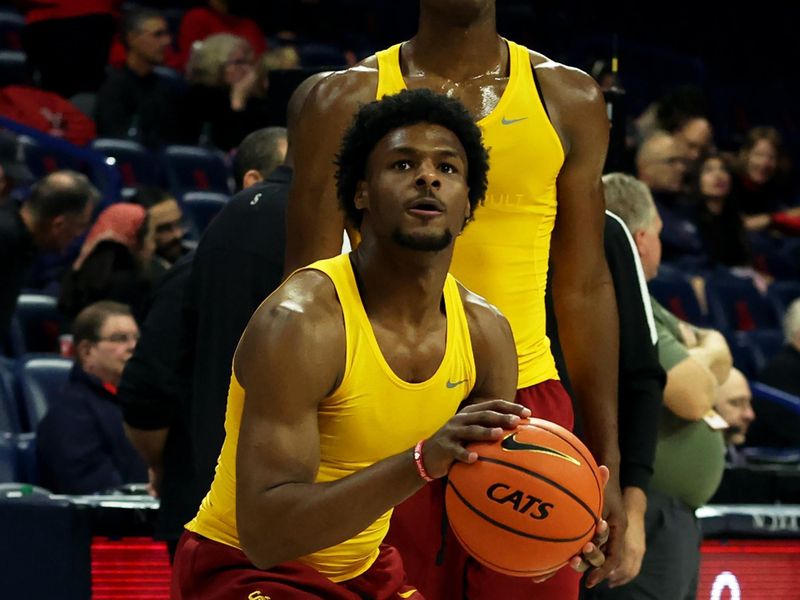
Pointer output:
418, 461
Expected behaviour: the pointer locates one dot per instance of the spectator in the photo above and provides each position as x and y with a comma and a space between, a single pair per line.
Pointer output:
259, 154
220, 106
134, 102
690, 452
778, 426
683, 113
174, 388
721, 226
81, 445
56, 212
760, 185
167, 224
217, 17
113, 262
734, 404
67, 42
661, 163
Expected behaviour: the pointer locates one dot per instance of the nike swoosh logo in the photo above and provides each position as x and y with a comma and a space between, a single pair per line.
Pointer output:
510, 442
512, 121
407, 594
452, 384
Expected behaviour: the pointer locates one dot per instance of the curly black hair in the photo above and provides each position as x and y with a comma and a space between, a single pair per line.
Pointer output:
409, 107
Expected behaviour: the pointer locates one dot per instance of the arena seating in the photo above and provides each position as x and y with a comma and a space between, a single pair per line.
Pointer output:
202, 207
40, 377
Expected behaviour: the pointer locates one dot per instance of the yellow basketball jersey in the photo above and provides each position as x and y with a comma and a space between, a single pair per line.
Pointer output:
372, 415
503, 254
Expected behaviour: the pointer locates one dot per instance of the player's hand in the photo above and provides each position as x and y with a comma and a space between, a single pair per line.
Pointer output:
481, 422
634, 551
591, 554
617, 522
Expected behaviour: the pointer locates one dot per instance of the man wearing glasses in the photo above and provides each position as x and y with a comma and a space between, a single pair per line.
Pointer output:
81, 444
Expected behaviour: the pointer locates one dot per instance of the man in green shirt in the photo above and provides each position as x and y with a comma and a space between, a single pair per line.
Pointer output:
690, 454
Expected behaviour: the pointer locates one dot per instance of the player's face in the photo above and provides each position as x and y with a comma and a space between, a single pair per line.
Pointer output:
416, 187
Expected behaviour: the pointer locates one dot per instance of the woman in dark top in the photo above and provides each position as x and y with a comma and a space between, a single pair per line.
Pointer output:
221, 106
721, 226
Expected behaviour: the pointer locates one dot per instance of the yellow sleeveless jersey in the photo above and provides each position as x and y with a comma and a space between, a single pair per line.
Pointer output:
503, 254
372, 415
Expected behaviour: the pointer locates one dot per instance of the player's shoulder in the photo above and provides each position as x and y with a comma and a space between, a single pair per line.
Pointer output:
568, 82
306, 304
483, 318
355, 85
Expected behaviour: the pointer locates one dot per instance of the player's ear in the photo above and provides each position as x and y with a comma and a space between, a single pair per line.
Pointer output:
362, 195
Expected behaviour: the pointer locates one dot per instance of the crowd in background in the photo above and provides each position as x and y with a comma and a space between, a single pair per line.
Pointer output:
206, 76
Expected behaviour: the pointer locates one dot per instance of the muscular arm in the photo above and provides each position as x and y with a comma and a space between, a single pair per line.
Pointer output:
583, 292
314, 221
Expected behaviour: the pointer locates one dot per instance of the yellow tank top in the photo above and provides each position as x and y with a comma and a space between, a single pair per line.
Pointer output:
503, 254
372, 415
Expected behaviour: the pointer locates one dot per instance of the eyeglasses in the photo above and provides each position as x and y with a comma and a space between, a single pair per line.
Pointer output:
120, 338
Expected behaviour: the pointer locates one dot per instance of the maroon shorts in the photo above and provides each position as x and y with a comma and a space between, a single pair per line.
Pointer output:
433, 557
207, 570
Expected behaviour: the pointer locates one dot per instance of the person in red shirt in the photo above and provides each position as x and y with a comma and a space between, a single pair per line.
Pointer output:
199, 23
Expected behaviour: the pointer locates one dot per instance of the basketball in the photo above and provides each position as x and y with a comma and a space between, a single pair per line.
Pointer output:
530, 501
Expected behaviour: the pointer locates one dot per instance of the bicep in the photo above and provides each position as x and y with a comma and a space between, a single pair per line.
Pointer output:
286, 365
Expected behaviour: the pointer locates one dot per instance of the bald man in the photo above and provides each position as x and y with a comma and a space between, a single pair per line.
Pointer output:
733, 403
661, 163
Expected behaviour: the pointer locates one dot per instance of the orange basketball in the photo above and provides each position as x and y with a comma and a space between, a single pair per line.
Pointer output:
529, 503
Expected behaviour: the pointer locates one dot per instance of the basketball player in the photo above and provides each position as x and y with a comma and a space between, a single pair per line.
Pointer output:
547, 131
348, 364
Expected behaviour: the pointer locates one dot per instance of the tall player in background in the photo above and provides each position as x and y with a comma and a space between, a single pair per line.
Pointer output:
547, 131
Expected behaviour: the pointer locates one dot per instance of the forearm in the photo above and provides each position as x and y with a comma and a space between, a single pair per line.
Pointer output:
713, 353
149, 444
295, 519
635, 501
589, 336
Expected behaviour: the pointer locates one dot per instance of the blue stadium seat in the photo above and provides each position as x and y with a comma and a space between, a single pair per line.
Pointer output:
43, 160
11, 24
36, 325
676, 294
27, 461
202, 207
136, 165
783, 293
8, 459
9, 408
735, 304
765, 343
13, 70
195, 169
40, 378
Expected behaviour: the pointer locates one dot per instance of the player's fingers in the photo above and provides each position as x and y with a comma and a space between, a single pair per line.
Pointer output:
477, 433
488, 418
605, 474
601, 533
500, 406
